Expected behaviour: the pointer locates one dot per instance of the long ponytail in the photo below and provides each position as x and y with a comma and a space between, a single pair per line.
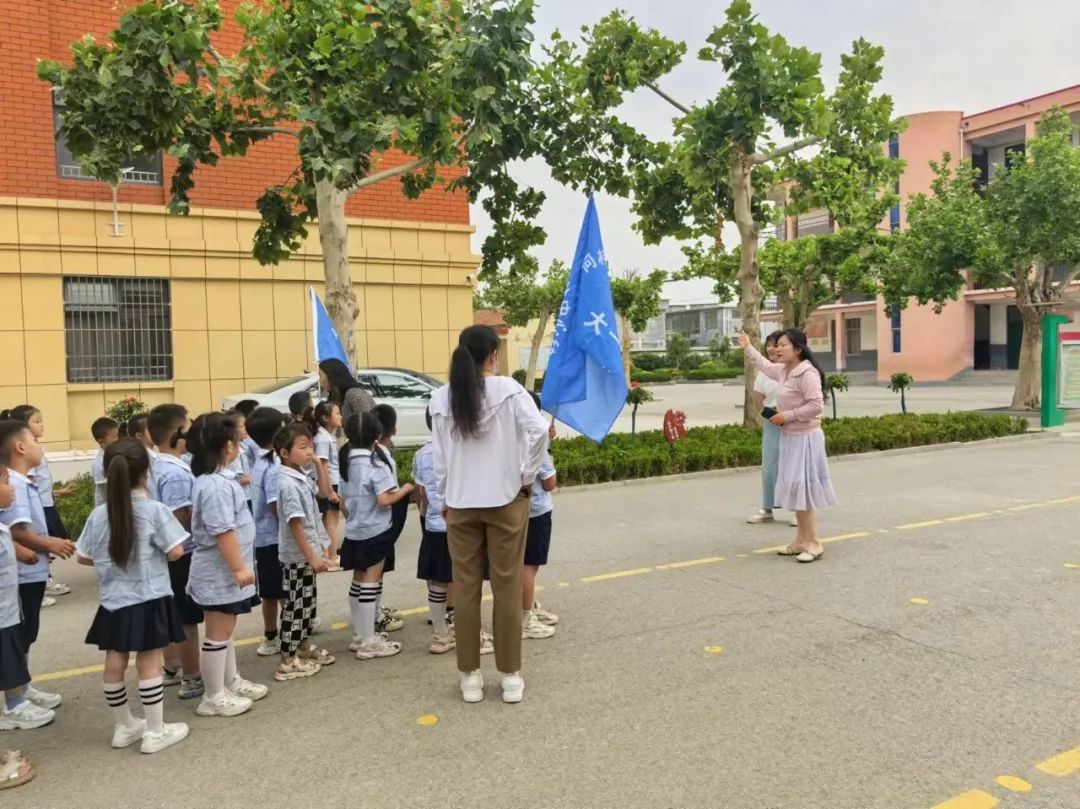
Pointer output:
475, 346
126, 465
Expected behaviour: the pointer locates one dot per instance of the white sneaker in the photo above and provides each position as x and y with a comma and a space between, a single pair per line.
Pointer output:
269, 647
487, 643
171, 733
127, 735
543, 616
513, 686
532, 629
170, 677
26, 716
793, 522
472, 686
380, 647
43, 699
247, 689
226, 704
316, 625
390, 612
760, 516
388, 623
357, 642
48, 601
56, 588
441, 644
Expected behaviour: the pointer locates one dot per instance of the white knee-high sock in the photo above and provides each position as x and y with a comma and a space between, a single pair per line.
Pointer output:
212, 663
436, 599
152, 696
230, 664
116, 696
354, 607
366, 603
378, 601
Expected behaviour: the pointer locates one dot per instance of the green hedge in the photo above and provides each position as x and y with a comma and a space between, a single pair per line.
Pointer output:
625, 457
649, 362
662, 375
707, 372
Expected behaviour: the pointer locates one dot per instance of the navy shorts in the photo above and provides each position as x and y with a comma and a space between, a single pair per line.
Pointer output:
269, 577
241, 607
363, 554
538, 540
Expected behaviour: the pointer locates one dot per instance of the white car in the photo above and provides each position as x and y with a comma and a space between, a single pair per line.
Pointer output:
408, 392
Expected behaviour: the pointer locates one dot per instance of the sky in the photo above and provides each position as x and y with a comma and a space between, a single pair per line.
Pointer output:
967, 55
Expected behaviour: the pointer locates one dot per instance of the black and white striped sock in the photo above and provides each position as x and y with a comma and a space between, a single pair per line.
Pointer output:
116, 696
152, 695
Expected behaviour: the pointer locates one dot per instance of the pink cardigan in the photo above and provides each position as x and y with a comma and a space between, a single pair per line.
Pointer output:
798, 395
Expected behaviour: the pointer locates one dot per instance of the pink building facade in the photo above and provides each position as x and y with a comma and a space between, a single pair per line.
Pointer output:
982, 329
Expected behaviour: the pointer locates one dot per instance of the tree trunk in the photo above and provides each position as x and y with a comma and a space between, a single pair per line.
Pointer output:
624, 330
1029, 383
750, 290
341, 303
534, 353
787, 308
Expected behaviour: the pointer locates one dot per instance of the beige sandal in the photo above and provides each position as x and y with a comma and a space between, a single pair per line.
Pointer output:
788, 550
14, 770
320, 656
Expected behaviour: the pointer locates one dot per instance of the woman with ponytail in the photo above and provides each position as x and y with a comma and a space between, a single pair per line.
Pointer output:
803, 484
129, 541
488, 443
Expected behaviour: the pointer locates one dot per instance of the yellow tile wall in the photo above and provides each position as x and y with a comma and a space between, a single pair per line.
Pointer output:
235, 324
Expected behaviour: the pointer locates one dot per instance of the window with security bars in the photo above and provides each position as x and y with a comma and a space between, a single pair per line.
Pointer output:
118, 329
142, 170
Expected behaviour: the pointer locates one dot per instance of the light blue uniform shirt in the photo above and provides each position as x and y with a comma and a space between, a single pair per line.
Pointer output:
541, 500
146, 577
264, 491
219, 506
27, 510
251, 452
174, 485
10, 608
238, 467
326, 448
151, 475
296, 498
43, 482
367, 480
97, 472
423, 472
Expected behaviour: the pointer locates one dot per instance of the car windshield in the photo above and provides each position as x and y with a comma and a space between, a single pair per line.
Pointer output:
284, 383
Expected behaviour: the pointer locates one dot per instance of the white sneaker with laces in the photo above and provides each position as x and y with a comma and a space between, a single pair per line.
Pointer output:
390, 612
171, 733
793, 522
43, 699
56, 588
26, 716
247, 689
513, 687
760, 516
269, 647
226, 704
487, 643
127, 735
543, 616
170, 677
532, 629
48, 601
357, 642
472, 686
388, 623
441, 644
380, 647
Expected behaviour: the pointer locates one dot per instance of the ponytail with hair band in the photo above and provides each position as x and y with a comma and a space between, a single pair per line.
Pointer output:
127, 463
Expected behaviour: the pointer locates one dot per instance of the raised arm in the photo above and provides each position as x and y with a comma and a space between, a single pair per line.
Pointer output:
770, 369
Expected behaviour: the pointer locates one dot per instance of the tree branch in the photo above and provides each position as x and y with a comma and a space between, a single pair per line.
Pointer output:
405, 168
1071, 276
680, 107
784, 151
270, 130
221, 63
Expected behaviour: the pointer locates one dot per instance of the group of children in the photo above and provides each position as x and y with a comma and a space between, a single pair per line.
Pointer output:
199, 522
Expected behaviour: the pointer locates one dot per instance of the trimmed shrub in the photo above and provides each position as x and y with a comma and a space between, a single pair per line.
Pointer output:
649, 362
660, 375
708, 372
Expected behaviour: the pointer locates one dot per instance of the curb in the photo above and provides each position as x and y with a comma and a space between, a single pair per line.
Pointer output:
854, 456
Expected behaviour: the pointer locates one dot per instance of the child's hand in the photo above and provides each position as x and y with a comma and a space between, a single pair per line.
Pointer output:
244, 577
409, 488
61, 547
243, 480
25, 555
334, 497
320, 565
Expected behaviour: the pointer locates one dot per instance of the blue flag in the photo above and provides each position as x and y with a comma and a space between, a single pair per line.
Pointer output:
585, 385
327, 344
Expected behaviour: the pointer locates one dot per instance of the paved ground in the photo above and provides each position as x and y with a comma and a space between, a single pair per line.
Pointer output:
678, 678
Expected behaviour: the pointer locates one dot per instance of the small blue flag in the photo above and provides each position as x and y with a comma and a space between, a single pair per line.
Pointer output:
585, 384
327, 344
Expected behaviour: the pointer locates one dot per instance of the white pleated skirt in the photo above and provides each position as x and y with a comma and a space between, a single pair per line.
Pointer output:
803, 482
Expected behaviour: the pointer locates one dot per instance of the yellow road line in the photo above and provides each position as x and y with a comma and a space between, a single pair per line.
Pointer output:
63, 675
976, 799
913, 525
963, 517
1064, 764
841, 538
708, 560
637, 571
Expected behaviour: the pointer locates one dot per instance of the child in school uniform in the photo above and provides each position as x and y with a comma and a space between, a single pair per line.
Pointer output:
222, 581
129, 542
240, 465
302, 543
325, 421
18, 712
371, 489
168, 425
20, 452
105, 431
43, 482
248, 447
264, 423
389, 619
136, 428
299, 405
536, 622
433, 563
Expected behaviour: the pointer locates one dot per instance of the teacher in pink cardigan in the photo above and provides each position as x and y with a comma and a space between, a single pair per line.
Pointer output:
802, 484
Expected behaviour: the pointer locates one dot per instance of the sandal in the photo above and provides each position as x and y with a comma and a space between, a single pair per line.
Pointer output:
788, 550
807, 556
320, 656
14, 770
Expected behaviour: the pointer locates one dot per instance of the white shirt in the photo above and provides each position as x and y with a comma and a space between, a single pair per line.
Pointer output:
490, 469
767, 387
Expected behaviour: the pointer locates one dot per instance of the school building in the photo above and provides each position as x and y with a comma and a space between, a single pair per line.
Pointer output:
982, 329
169, 308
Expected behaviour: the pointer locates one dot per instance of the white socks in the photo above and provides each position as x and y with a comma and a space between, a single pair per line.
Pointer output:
152, 694
354, 607
212, 662
367, 604
230, 664
116, 696
436, 598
